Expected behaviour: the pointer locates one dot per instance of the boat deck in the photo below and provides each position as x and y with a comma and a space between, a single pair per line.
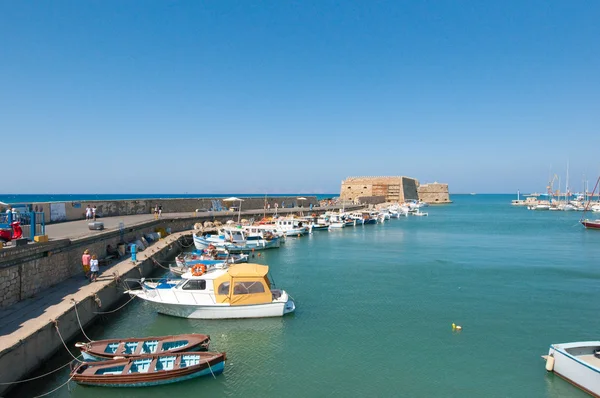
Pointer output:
590, 359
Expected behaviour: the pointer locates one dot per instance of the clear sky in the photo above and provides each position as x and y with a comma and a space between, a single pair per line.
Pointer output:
294, 96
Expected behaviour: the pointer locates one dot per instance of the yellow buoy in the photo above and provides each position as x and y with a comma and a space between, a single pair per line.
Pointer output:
550, 363
453, 326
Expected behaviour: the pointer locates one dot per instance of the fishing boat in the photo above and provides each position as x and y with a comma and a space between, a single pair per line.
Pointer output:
234, 240
101, 350
239, 291
149, 370
210, 265
578, 363
202, 256
291, 226
369, 217
420, 213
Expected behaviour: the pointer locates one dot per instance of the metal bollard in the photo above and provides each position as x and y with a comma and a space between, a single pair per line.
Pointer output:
133, 252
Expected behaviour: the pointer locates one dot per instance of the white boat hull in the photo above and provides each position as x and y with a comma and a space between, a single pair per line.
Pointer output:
220, 311
574, 368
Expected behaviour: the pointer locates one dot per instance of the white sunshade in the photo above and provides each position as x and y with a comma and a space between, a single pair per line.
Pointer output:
232, 199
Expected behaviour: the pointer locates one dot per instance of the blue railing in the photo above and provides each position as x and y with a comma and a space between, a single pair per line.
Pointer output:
32, 223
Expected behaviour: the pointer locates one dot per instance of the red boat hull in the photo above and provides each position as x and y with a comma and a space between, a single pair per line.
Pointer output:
595, 224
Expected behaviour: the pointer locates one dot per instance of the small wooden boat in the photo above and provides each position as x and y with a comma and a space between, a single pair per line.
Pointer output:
108, 349
149, 370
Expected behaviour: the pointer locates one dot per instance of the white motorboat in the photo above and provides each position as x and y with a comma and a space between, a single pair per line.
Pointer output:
234, 240
419, 213
291, 226
578, 363
240, 291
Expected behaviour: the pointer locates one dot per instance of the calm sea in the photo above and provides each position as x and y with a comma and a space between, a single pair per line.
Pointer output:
33, 198
375, 306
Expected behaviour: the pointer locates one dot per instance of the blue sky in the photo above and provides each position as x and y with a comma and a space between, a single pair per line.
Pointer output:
294, 96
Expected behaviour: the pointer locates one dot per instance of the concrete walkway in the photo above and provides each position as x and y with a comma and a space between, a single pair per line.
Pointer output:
79, 229
24, 318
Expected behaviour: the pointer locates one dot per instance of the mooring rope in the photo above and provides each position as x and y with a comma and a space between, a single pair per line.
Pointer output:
64, 344
37, 377
110, 312
160, 265
79, 321
50, 392
183, 245
209, 368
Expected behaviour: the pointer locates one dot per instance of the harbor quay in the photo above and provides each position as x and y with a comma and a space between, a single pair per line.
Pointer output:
76, 210
45, 300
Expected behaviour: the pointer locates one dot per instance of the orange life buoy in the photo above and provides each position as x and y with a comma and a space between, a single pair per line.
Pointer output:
198, 269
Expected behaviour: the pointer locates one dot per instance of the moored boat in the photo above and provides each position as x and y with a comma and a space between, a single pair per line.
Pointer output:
591, 224
578, 363
239, 291
100, 350
149, 370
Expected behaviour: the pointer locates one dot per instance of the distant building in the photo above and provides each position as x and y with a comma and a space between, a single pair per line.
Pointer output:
381, 189
434, 193
387, 189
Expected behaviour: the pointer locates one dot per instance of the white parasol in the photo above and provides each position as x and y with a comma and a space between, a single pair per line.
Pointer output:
234, 199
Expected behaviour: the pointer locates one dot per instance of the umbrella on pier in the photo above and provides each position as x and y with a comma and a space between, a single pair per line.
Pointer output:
234, 199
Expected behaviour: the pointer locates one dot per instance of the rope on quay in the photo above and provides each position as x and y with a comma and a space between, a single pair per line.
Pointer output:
50, 392
61, 339
110, 312
37, 377
78, 320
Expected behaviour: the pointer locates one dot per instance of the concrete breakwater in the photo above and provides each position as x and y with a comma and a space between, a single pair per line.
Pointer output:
70, 211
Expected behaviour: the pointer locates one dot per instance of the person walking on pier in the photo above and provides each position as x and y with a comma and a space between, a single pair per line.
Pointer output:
156, 211
88, 213
94, 212
94, 268
85, 263
159, 211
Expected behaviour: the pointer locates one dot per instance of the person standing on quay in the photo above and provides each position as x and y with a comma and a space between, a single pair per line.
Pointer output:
159, 211
85, 263
94, 268
156, 211
94, 212
88, 213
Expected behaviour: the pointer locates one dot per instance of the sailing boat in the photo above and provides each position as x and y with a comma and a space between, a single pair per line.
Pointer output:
590, 224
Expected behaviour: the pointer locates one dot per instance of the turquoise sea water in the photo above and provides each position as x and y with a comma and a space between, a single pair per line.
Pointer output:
375, 306
33, 198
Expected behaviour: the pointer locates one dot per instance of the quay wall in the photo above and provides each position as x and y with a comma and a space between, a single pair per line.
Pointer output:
29, 353
70, 211
434, 193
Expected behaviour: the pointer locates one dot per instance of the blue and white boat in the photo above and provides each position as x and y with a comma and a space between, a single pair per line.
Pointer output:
149, 370
578, 363
235, 240
101, 350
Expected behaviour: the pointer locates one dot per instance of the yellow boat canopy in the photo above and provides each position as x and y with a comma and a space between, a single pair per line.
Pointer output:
244, 284
248, 270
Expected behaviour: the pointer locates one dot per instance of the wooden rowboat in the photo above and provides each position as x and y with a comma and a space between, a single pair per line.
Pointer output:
149, 370
126, 348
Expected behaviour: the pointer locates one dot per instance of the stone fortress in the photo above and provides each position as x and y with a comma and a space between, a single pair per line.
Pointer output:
392, 189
